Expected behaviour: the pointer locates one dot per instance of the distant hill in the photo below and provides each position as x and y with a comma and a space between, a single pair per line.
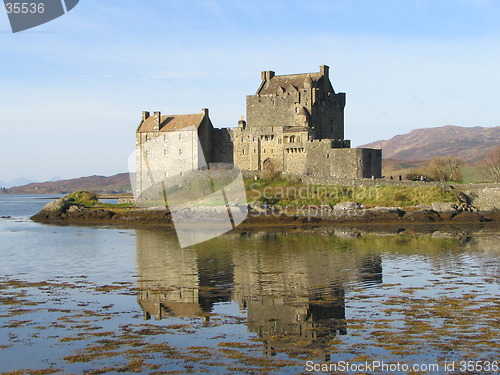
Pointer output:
17, 182
469, 144
119, 183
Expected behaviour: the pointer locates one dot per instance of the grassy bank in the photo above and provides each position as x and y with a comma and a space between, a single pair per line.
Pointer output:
294, 192
282, 192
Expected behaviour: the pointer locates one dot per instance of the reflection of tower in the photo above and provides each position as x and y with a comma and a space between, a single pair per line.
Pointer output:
168, 276
176, 281
294, 288
284, 323
294, 296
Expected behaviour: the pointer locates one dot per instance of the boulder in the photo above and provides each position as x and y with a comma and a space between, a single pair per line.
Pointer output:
347, 206
60, 205
444, 207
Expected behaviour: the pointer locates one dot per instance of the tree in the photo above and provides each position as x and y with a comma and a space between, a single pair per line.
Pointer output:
492, 164
446, 168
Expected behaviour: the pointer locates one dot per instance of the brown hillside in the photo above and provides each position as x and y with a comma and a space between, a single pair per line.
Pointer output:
469, 144
119, 183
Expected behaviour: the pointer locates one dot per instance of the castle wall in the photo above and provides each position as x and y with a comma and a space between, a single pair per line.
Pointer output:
255, 148
371, 162
328, 115
319, 158
272, 110
165, 154
346, 162
205, 136
223, 148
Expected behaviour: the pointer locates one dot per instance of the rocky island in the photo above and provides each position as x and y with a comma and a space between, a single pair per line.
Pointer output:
467, 204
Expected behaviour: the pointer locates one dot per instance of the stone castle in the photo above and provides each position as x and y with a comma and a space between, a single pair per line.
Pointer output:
294, 125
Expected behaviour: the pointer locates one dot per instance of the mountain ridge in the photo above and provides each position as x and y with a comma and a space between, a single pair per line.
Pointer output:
468, 143
119, 183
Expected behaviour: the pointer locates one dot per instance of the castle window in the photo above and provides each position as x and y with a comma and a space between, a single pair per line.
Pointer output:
180, 174
255, 139
148, 152
279, 141
292, 139
181, 136
165, 137
166, 174
243, 139
165, 152
181, 151
285, 139
148, 137
328, 155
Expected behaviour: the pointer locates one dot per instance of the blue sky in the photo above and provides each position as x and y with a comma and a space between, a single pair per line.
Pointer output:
73, 89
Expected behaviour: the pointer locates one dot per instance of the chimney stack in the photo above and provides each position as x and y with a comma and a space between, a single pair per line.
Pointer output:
324, 70
204, 111
267, 75
145, 115
157, 119
242, 123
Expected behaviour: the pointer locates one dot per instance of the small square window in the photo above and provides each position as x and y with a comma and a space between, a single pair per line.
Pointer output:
181, 151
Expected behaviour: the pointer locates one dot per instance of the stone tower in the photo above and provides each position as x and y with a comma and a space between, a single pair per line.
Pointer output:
298, 100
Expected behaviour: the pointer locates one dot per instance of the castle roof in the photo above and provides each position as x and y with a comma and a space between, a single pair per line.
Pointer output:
290, 82
170, 123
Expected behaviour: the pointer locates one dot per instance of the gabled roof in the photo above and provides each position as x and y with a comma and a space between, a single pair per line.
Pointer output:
170, 123
289, 83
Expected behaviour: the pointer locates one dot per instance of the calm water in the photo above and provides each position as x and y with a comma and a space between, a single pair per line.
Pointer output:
107, 300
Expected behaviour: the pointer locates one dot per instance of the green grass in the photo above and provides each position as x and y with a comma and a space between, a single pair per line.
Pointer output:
281, 192
111, 205
284, 192
86, 198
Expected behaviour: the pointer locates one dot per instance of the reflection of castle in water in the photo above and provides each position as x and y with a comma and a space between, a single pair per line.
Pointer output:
292, 294
296, 294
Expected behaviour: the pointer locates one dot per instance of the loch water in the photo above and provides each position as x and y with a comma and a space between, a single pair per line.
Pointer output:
85, 299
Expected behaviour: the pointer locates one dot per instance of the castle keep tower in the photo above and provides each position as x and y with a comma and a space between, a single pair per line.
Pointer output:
295, 124
298, 100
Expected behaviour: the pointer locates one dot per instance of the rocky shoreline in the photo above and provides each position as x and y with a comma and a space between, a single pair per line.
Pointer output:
66, 212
